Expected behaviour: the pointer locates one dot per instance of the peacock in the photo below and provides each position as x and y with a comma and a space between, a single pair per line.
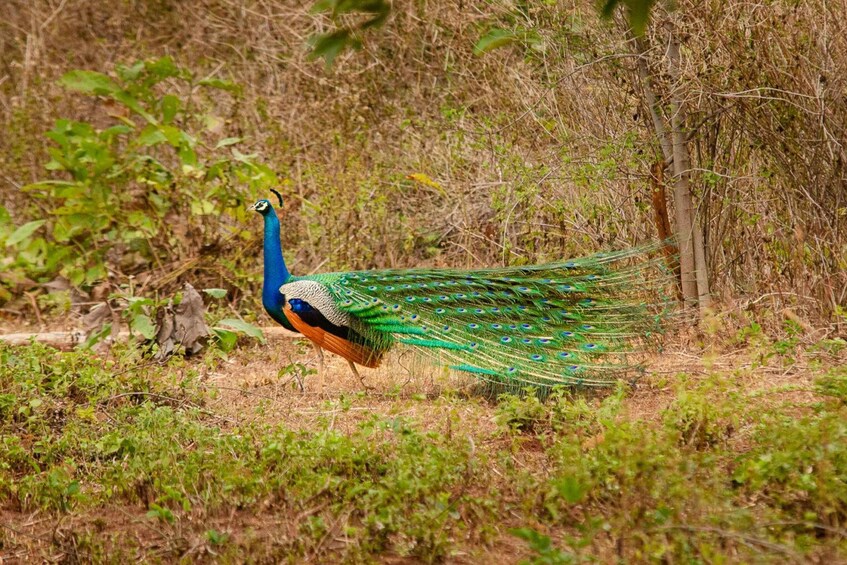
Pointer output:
573, 322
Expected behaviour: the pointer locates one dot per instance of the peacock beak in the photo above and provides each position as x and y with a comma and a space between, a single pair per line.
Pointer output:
251, 207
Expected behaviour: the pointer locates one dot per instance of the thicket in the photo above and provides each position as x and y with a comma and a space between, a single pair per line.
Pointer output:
420, 149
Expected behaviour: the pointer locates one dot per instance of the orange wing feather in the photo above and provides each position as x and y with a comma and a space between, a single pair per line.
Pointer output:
355, 352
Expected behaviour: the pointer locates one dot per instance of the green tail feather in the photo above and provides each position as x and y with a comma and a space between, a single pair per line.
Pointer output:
575, 322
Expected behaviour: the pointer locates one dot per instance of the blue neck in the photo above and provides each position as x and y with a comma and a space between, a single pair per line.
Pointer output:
276, 273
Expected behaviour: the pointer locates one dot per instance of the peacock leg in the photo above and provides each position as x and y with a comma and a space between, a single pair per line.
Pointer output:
320, 368
358, 376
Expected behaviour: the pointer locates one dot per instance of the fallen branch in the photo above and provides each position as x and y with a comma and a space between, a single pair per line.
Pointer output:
68, 340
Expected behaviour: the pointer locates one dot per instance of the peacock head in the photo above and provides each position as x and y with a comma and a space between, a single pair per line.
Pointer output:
264, 206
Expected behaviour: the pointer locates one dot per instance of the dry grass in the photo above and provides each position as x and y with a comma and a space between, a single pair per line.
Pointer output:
541, 153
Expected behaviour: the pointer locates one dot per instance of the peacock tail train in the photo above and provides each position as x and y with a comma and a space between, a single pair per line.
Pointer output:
576, 322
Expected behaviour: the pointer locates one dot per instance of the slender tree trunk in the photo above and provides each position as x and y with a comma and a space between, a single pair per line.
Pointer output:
673, 147
695, 276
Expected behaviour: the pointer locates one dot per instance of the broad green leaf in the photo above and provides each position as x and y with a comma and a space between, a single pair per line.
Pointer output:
170, 106
162, 68
173, 134
151, 135
24, 232
95, 273
143, 222
570, 489
187, 138
129, 73
142, 324
493, 39
130, 102
136, 303
226, 339
329, 45
116, 130
89, 82
215, 292
243, 327
189, 159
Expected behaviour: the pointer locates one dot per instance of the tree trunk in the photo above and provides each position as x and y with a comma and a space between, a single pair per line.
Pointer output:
692, 252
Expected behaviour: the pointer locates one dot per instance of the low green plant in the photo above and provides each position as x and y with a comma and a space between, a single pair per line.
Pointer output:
525, 413
137, 190
697, 419
800, 463
79, 433
126, 432
833, 384
544, 553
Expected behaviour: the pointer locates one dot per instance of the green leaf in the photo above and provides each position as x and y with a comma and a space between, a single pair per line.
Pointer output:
113, 131
24, 232
494, 38
174, 135
151, 135
95, 273
243, 327
142, 324
215, 292
189, 158
226, 339
637, 11
571, 489
130, 102
329, 45
323, 6
96, 336
89, 82
170, 106
161, 68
